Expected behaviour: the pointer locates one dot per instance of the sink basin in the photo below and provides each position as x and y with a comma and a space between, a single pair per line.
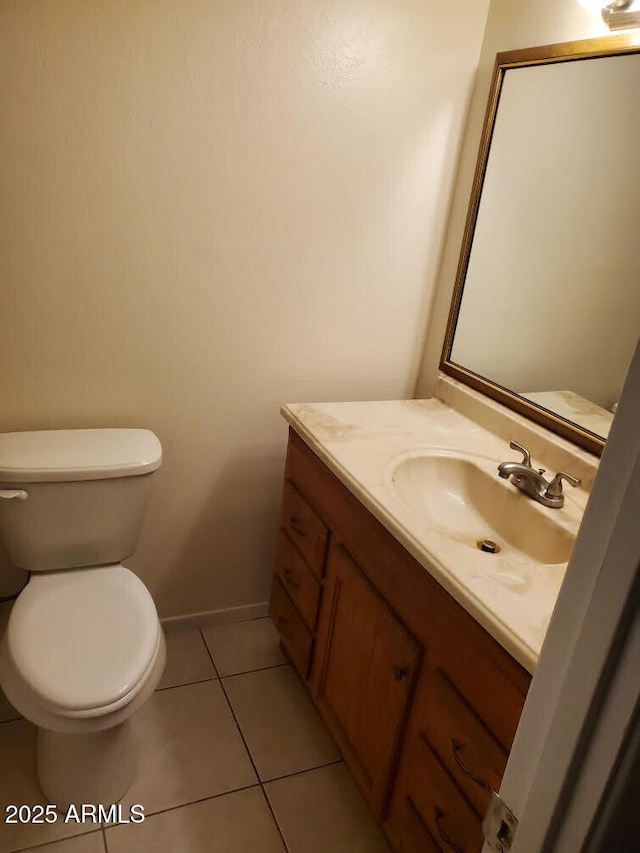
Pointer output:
464, 498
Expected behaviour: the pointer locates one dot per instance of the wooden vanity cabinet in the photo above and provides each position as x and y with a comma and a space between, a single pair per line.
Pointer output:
420, 699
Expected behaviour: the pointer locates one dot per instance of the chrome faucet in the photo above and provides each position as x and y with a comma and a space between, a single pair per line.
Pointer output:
532, 482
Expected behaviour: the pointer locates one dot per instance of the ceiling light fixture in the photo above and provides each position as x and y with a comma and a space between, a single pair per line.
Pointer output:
617, 14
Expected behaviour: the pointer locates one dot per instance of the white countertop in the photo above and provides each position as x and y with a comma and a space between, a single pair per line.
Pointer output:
512, 599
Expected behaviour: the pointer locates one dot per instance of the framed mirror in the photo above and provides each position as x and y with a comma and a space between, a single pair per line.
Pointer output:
546, 309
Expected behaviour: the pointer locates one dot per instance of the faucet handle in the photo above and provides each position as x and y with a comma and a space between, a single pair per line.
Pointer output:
526, 455
554, 489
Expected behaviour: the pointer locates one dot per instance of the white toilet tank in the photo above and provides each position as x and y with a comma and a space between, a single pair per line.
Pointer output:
72, 498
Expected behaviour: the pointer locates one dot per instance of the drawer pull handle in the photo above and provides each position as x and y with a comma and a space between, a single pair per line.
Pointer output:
443, 835
297, 526
456, 749
289, 579
399, 672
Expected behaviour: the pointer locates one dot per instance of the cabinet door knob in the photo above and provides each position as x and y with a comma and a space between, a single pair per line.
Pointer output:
456, 749
289, 578
441, 832
399, 672
297, 526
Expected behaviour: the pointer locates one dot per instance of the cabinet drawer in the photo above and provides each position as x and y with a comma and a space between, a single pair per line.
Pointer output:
481, 671
465, 746
295, 637
303, 587
449, 818
305, 528
413, 834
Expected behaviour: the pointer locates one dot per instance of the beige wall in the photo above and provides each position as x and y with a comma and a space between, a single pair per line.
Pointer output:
510, 25
209, 207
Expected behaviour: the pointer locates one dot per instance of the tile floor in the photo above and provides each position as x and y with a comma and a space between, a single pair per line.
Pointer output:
233, 759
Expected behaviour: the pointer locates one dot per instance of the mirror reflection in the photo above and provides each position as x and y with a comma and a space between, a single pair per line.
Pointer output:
550, 307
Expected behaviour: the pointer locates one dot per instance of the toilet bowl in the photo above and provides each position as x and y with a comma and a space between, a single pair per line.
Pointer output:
83, 649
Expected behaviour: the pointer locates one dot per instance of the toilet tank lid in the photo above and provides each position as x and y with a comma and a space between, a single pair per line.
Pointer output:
77, 454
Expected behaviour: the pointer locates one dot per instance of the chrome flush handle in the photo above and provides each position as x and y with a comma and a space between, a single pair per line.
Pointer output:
13, 494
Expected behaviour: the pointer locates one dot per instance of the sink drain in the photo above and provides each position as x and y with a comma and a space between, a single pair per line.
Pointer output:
488, 545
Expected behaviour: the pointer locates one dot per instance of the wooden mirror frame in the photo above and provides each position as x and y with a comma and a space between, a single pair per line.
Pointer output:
564, 52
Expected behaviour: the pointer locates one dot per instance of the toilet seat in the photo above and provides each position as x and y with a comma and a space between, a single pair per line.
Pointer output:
84, 640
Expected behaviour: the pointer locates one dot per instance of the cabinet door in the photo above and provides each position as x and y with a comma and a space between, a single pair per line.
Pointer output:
367, 663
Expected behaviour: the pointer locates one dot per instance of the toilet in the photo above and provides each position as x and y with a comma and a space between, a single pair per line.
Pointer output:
83, 649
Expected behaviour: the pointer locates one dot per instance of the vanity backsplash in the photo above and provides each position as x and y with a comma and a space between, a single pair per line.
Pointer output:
546, 448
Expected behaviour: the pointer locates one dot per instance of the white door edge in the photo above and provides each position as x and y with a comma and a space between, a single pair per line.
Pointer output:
576, 654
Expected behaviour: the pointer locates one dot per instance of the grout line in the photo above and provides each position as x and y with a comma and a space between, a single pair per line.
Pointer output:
302, 772
243, 671
104, 838
12, 720
255, 769
258, 669
261, 782
275, 819
235, 720
186, 683
41, 845
206, 647
258, 784
248, 751
149, 815
203, 680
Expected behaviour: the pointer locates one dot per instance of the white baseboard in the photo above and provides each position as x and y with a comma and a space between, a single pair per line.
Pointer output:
216, 617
